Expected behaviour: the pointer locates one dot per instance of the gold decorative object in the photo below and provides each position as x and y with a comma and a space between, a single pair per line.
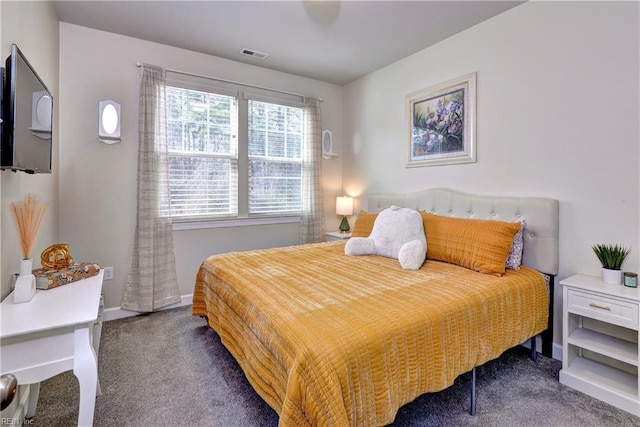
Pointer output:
56, 256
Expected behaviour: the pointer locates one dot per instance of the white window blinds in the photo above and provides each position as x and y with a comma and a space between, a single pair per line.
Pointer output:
275, 158
202, 139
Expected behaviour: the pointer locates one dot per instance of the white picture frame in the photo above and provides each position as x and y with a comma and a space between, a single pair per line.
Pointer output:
442, 123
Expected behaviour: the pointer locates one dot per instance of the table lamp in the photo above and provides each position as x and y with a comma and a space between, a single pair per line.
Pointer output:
344, 207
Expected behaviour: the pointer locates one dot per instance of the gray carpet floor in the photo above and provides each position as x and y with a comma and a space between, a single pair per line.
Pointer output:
169, 369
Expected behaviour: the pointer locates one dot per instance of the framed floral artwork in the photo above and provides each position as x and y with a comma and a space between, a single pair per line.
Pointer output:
442, 122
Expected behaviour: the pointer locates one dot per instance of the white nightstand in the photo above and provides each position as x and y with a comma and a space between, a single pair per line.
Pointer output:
600, 340
332, 236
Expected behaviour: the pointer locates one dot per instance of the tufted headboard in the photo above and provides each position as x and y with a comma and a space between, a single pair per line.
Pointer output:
540, 235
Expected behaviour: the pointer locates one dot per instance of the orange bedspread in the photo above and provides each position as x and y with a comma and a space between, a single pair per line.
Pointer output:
327, 339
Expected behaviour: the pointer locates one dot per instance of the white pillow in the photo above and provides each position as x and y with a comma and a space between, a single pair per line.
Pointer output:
397, 233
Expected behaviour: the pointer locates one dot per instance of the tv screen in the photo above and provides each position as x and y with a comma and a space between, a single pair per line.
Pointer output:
27, 118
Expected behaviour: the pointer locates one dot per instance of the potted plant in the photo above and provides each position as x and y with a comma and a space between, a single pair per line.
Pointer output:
611, 257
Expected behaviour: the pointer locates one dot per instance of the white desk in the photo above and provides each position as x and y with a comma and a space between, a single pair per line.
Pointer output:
51, 334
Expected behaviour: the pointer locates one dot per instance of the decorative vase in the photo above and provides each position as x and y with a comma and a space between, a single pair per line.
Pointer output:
612, 277
344, 225
25, 287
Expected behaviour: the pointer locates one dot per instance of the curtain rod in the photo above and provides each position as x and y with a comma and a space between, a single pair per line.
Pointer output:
139, 64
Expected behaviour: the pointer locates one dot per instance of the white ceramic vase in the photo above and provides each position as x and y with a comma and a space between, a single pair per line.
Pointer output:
612, 277
25, 287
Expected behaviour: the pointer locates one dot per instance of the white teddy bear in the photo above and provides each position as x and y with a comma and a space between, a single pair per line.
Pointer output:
397, 233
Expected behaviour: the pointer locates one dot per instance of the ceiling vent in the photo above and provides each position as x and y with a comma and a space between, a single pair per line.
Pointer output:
254, 53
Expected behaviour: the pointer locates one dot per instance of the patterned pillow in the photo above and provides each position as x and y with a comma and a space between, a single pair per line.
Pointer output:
514, 259
481, 245
364, 224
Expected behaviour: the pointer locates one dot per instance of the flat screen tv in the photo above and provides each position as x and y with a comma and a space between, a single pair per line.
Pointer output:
27, 120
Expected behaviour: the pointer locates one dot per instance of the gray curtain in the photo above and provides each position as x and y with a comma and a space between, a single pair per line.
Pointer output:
311, 218
152, 282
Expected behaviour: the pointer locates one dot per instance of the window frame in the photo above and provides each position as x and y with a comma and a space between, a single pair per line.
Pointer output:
216, 91
243, 94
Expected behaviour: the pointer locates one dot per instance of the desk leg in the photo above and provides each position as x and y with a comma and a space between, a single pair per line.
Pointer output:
34, 393
85, 368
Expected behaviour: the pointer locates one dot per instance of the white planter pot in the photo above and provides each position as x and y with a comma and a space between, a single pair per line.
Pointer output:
612, 277
25, 287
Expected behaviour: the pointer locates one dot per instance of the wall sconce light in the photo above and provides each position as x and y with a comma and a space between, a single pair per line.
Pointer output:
41, 114
109, 122
327, 144
344, 207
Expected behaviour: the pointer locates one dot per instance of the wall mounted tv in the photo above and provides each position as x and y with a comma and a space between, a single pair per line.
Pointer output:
27, 120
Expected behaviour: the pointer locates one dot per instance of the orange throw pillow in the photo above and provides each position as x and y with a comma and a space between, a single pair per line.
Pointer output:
481, 245
364, 224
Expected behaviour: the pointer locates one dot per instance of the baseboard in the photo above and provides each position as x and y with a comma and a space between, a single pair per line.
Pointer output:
556, 351
119, 313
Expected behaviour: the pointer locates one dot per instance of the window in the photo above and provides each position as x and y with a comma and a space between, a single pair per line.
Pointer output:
275, 158
232, 156
202, 144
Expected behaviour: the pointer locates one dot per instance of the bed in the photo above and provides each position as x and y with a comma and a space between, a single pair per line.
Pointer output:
327, 339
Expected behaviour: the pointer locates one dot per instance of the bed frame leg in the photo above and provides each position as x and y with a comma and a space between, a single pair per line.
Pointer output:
534, 353
472, 409
547, 334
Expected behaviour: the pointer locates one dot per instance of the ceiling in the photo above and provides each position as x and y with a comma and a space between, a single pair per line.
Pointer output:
331, 41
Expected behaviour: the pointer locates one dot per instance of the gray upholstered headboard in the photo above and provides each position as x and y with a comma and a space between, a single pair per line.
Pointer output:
541, 233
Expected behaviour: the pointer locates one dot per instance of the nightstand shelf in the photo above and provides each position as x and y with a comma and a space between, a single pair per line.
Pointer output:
615, 348
600, 341
610, 379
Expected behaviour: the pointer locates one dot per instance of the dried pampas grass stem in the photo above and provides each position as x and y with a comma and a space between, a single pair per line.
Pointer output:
28, 214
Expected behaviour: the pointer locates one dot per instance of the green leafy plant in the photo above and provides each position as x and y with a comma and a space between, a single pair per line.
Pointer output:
611, 256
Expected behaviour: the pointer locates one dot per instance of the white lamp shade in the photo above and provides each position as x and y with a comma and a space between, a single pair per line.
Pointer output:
344, 205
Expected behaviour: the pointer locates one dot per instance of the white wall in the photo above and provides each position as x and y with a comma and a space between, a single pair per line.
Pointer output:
33, 26
557, 116
98, 181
